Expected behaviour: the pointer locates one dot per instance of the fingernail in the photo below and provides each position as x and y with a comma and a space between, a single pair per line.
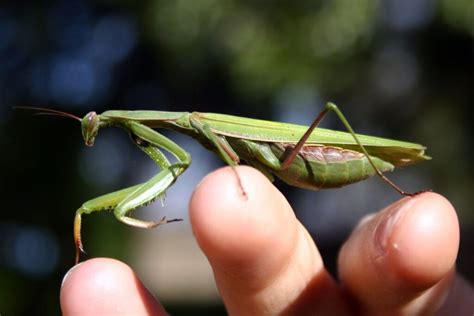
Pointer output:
69, 273
384, 229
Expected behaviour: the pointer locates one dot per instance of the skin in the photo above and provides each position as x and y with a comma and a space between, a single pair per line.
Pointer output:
398, 261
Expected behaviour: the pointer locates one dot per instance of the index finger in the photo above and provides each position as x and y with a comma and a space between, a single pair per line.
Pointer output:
264, 261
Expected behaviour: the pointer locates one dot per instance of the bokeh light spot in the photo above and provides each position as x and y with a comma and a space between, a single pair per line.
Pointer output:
35, 251
72, 80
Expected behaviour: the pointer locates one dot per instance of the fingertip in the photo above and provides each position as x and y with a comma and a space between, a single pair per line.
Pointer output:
423, 247
263, 259
105, 286
232, 225
403, 251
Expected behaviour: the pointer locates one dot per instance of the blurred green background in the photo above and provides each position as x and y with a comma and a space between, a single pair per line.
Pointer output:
398, 69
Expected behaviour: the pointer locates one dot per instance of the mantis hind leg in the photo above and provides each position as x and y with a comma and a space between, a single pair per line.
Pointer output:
331, 107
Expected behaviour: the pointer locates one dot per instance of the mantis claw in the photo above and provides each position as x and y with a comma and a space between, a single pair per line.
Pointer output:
77, 236
79, 250
162, 197
165, 221
145, 224
239, 183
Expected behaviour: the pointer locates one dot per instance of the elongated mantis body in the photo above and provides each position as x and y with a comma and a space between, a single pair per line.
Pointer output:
305, 157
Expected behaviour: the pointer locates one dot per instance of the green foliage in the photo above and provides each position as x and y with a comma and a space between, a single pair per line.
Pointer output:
265, 45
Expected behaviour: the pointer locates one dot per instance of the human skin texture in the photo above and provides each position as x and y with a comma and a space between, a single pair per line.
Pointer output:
398, 261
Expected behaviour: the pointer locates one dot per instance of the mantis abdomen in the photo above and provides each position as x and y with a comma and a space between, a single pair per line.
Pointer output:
315, 167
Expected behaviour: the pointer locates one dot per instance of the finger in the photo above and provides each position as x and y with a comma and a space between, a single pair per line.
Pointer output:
263, 259
105, 286
401, 260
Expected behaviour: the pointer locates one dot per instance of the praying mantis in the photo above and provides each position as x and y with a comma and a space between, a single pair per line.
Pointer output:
306, 157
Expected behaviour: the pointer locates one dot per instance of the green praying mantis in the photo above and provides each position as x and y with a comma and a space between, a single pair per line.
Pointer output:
306, 157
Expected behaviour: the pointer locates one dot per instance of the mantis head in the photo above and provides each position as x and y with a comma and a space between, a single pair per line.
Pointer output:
90, 127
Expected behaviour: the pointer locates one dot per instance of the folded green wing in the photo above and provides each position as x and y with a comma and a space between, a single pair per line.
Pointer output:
399, 153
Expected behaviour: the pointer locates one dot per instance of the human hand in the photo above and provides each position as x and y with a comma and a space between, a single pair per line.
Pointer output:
399, 261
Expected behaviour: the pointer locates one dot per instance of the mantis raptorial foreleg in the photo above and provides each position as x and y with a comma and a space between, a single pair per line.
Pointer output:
149, 141
331, 107
126, 200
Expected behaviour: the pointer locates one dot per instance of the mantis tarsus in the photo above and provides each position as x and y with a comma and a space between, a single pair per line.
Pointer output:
306, 157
